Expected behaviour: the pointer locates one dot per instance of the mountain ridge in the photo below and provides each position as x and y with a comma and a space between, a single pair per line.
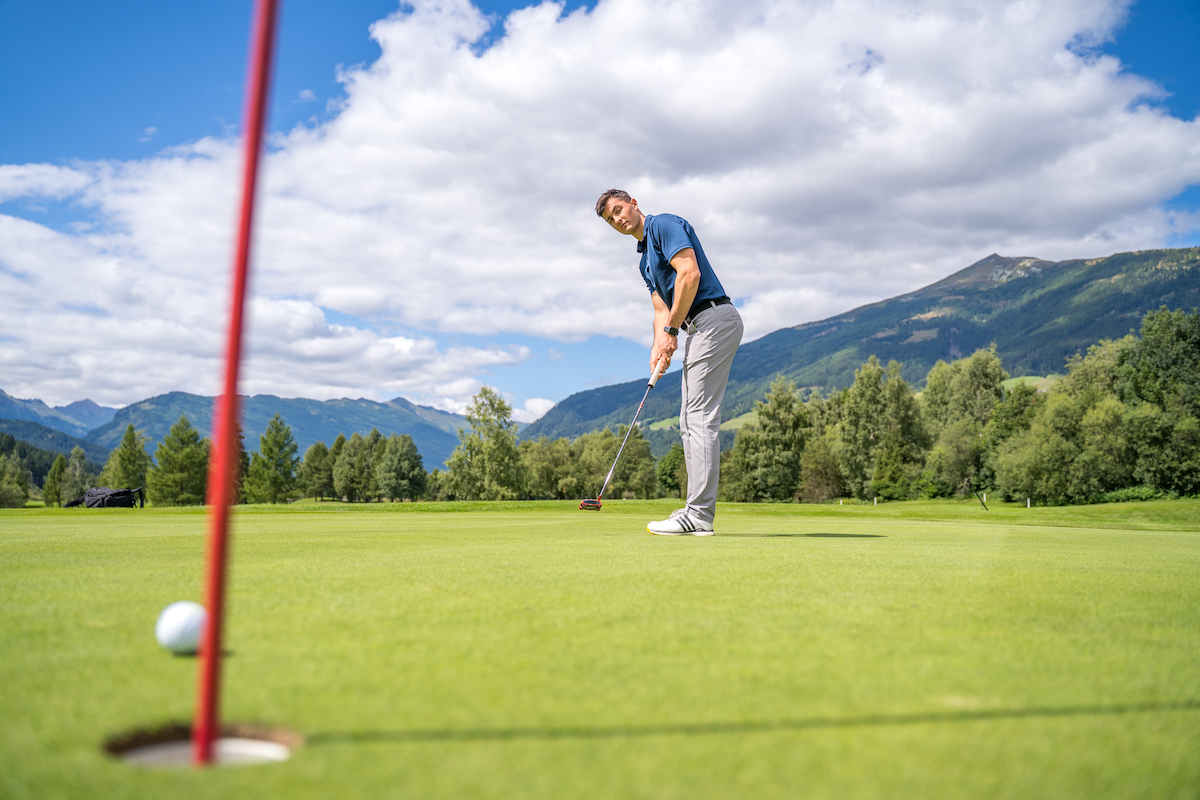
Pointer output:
1038, 313
75, 419
433, 431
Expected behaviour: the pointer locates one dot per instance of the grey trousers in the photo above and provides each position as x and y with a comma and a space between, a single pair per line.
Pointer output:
712, 342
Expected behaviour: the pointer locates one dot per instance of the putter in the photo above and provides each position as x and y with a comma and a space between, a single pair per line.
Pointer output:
594, 505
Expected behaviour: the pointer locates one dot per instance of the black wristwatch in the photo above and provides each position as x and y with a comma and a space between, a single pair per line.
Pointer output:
672, 331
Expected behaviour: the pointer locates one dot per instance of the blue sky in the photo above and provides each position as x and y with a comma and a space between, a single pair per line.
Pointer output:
90, 84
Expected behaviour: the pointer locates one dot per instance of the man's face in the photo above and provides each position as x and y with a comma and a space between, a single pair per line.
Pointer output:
624, 216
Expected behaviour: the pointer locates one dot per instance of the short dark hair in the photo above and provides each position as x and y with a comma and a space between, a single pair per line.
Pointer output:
602, 203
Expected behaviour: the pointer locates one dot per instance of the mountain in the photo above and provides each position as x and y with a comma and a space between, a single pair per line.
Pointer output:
1039, 313
433, 431
89, 414
55, 441
37, 411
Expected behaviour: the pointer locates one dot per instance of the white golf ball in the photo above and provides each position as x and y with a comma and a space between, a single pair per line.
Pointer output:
180, 626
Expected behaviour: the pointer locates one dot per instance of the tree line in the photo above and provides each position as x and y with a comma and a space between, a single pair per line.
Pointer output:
1122, 424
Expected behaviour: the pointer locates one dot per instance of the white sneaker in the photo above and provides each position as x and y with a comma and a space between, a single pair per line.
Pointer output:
681, 523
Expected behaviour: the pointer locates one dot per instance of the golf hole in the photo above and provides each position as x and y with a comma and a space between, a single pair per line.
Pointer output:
171, 746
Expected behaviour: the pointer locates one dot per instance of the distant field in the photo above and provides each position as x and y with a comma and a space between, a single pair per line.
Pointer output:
1039, 382
531, 650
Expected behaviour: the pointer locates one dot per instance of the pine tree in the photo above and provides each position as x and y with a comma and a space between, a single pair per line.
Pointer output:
345, 469
373, 448
52, 488
243, 467
181, 476
316, 473
128, 463
273, 467
399, 473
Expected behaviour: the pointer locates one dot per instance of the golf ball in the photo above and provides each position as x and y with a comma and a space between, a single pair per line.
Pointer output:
180, 626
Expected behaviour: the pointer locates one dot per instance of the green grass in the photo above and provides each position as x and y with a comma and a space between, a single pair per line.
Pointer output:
739, 421
1038, 382
910, 650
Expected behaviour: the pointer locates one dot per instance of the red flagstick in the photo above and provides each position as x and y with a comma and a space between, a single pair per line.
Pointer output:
222, 473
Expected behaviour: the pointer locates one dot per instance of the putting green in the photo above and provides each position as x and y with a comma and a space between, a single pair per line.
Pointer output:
534, 650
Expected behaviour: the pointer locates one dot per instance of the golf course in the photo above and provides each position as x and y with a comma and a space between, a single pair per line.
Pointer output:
531, 650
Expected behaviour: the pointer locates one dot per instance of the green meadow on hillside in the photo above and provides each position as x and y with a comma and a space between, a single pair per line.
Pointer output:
500, 650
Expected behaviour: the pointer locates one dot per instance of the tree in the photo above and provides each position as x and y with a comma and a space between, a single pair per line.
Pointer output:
77, 478
977, 386
765, 462
128, 463
878, 408
671, 470
14, 481
335, 450
1167, 447
1164, 366
486, 465
52, 488
180, 478
243, 467
956, 457
273, 467
345, 469
550, 469
374, 446
316, 473
1036, 463
820, 476
595, 453
399, 473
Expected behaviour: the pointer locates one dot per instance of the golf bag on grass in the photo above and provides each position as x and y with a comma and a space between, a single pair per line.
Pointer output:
104, 497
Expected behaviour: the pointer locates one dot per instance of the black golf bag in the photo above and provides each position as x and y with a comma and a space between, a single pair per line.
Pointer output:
104, 497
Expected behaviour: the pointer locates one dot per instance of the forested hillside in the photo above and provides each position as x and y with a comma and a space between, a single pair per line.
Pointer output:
434, 432
53, 440
1038, 313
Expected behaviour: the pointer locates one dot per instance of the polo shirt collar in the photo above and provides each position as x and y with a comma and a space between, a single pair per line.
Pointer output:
642, 244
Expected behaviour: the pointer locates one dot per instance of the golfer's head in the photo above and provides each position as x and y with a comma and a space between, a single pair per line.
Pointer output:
620, 211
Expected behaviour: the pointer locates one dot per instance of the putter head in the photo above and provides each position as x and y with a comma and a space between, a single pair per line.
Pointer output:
590, 505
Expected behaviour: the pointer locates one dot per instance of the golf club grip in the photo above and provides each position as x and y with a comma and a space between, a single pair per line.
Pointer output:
658, 371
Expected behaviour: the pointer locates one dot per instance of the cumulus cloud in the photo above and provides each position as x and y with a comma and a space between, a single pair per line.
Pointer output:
830, 154
534, 409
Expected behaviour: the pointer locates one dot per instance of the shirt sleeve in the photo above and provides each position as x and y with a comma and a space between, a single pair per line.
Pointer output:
672, 238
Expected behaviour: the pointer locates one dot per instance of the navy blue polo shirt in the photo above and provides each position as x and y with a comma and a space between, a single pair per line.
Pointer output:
664, 236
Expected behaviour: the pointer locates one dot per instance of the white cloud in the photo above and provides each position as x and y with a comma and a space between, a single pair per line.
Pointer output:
306, 96
829, 154
533, 410
148, 134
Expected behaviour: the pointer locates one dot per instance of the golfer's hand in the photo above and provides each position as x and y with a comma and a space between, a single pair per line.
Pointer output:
665, 346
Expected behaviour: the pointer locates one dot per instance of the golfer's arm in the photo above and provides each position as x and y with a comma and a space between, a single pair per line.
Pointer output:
687, 283
662, 314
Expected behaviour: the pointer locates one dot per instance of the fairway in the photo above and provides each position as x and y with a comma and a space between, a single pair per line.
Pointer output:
914, 650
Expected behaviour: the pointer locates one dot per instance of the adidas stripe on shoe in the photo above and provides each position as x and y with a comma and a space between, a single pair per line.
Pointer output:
681, 523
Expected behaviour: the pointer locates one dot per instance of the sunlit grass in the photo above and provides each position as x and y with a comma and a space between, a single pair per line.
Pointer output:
535, 650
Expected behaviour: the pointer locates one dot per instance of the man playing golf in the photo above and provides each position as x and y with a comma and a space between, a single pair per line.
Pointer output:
686, 296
